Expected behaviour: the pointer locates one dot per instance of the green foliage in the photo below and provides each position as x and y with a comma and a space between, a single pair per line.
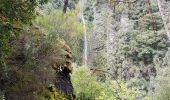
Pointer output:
88, 88
163, 92
64, 26
40, 46
162, 84
151, 22
140, 85
143, 46
136, 52
162, 80
52, 5
138, 10
56, 5
140, 52
32, 73
13, 14
54, 94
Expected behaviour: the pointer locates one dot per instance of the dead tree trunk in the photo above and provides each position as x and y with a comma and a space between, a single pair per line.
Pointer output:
65, 6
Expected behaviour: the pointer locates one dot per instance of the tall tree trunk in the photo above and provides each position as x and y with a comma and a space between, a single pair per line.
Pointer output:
163, 19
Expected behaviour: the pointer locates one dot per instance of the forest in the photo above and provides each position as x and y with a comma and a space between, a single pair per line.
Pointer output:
84, 50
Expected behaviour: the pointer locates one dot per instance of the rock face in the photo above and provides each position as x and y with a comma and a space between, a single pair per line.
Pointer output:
60, 58
62, 79
63, 83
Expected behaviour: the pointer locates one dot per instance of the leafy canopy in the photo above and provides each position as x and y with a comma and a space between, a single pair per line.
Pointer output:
13, 15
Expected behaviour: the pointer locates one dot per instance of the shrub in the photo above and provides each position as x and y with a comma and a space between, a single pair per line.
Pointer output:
87, 87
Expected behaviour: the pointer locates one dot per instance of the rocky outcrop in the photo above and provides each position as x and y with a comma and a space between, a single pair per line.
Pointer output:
62, 79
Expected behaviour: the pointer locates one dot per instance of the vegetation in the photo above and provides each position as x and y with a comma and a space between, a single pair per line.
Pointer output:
94, 89
12, 17
43, 42
57, 23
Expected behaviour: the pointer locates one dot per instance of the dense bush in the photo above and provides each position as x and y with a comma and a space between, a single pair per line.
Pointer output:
66, 27
162, 90
13, 14
87, 87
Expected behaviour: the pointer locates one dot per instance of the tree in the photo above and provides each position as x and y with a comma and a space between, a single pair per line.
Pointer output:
14, 14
